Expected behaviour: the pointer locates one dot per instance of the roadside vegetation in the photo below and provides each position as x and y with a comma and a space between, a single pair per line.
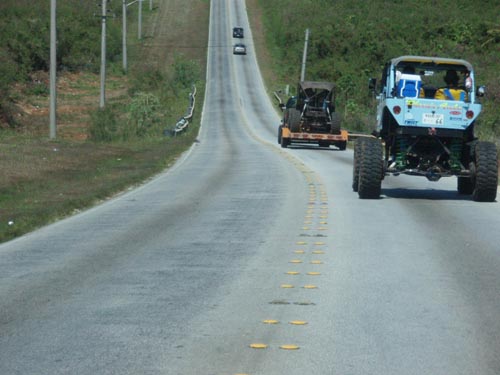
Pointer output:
351, 40
97, 152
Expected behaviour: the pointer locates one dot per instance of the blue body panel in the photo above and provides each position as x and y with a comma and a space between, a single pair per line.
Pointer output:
431, 113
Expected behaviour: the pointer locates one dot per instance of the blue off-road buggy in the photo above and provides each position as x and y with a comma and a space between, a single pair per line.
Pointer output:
425, 127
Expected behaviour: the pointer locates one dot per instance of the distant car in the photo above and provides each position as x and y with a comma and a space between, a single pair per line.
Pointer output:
237, 32
239, 49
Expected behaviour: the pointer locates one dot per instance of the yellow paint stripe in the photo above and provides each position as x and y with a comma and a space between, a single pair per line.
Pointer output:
310, 286
258, 346
316, 262
318, 252
298, 322
289, 347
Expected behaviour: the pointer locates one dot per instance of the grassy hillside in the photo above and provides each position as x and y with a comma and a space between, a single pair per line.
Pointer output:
351, 40
97, 153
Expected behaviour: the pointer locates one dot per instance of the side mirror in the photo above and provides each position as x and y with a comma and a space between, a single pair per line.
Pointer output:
481, 91
372, 84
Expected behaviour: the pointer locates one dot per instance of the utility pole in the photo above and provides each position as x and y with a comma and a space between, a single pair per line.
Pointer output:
53, 70
150, 4
124, 27
124, 35
103, 54
140, 20
304, 58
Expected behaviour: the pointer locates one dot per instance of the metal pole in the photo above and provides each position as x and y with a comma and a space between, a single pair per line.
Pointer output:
150, 4
140, 20
103, 55
304, 57
53, 70
124, 36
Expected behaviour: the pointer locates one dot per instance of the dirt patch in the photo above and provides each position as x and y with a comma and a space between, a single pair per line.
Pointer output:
173, 27
178, 27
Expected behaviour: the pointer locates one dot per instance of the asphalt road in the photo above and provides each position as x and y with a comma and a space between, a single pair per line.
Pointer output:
245, 258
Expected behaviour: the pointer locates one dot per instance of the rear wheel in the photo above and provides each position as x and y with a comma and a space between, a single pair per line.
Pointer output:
280, 132
370, 169
355, 164
486, 172
294, 119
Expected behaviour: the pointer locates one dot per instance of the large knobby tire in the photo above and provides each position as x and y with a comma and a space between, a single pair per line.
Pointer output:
465, 185
370, 169
486, 172
335, 123
294, 119
355, 164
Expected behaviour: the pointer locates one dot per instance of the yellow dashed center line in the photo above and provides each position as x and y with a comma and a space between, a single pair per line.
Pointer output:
314, 220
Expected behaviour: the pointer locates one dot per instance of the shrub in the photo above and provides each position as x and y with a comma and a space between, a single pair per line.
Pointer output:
143, 114
103, 125
186, 72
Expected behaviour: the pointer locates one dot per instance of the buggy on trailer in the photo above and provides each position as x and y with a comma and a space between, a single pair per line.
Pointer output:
310, 117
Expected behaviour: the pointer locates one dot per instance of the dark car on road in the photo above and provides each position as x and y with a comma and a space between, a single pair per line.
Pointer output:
237, 32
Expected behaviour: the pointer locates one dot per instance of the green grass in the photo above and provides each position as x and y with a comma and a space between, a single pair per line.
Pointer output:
351, 40
44, 180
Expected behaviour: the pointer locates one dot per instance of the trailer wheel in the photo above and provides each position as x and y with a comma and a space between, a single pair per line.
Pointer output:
284, 142
294, 119
342, 145
335, 123
486, 172
370, 169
